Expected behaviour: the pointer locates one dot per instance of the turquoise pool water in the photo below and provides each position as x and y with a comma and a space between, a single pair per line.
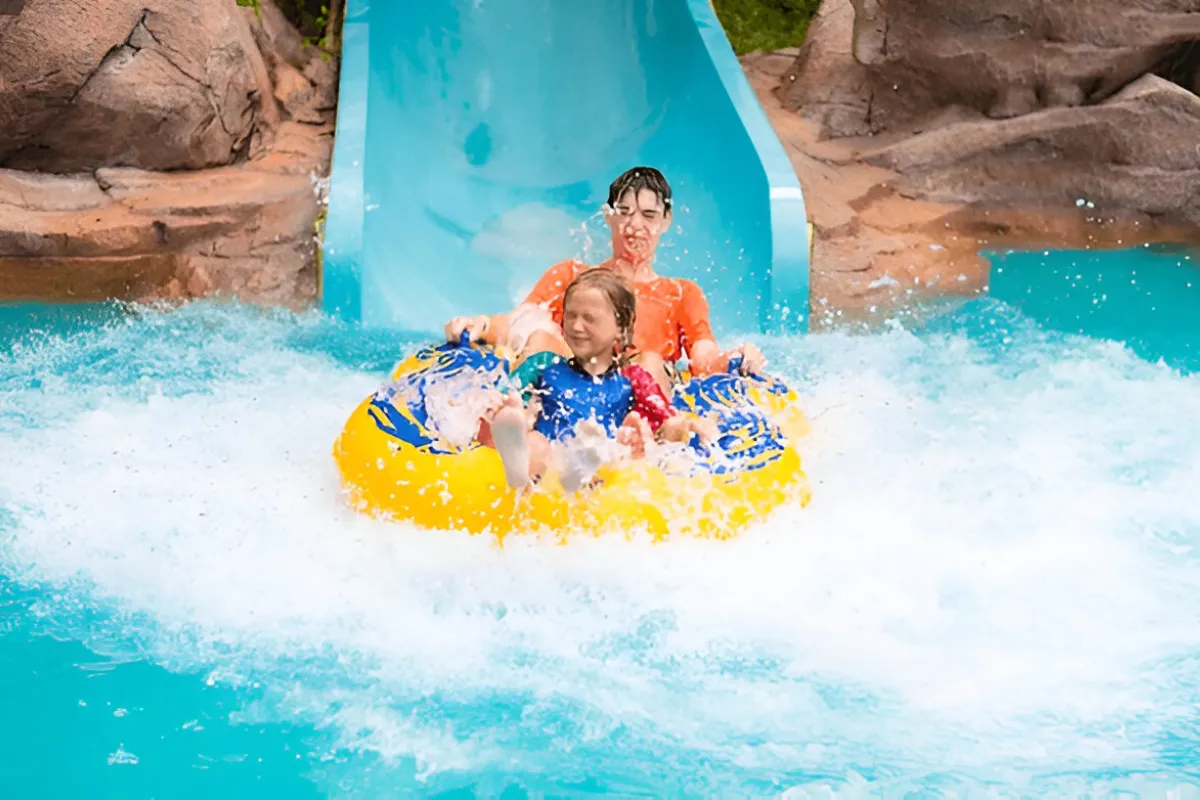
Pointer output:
993, 593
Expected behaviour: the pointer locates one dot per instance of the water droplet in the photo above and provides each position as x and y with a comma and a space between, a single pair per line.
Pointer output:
121, 756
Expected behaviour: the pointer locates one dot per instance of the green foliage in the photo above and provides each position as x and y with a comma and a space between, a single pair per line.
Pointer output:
310, 17
319, 239
251, 4
749, 24
765, 24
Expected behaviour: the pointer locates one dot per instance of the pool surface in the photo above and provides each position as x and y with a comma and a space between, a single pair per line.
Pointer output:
994, 591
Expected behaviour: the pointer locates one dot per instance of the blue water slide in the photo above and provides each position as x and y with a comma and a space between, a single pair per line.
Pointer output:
476, 140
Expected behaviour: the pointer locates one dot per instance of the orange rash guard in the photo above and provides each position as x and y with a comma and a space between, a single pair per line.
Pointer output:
672, 314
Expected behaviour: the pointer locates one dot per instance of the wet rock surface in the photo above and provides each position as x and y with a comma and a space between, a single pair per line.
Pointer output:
160, 150
925, 131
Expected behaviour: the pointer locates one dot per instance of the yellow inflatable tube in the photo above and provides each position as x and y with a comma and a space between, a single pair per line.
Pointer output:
396, 466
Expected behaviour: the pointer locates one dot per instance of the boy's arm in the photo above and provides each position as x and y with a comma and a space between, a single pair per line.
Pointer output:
704, 356
490, 328
695, 330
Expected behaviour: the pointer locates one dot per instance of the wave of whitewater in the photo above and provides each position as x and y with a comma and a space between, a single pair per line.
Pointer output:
996, 583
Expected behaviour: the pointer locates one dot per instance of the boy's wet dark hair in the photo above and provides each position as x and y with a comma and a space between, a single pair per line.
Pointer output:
617, 291
637, 179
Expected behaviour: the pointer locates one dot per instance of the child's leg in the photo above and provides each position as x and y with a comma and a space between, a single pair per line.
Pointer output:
545, 341
495, 401
584, 455
529, 330
524, 452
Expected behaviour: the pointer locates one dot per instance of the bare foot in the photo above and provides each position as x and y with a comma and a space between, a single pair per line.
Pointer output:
585, 454
509, 435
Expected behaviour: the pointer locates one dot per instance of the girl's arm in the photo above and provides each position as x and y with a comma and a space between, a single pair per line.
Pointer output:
649, 401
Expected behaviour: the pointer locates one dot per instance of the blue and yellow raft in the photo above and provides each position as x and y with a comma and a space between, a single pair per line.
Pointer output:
396, 466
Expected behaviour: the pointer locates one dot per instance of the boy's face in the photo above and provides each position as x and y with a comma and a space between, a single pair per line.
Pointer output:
638, 221
589, 324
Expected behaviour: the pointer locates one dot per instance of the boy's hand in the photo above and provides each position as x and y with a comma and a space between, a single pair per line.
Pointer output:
753, 360
476, 326
705, 427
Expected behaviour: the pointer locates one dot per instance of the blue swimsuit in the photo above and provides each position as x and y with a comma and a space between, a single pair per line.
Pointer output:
569, 396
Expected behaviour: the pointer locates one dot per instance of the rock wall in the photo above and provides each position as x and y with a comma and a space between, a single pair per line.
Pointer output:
160, 148
912, 61
936, 127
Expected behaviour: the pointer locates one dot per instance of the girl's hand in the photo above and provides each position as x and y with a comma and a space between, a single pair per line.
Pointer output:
675, 428
680, 428
635, 433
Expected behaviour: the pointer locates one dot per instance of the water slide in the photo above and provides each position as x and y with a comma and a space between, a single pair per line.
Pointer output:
477, 138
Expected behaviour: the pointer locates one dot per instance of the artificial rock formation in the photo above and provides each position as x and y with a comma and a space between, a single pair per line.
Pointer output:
145, 83
903, 64
109, 95
924, 130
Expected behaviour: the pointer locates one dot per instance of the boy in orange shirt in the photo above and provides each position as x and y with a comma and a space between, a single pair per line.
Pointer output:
672, 313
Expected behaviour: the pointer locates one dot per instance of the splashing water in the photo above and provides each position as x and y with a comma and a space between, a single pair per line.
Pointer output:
994, 587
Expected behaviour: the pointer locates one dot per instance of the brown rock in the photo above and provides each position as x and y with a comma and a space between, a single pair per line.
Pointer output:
322, 72
38, 192
826, 84
1013, 100
83, 279
905, 60
174, 84
278, 40
293, 91
940, 127
237, 231
1063, 93
899, 219
60, 45
1135, 152
778, 63
299, 149
217, 192
153, 84
199, 284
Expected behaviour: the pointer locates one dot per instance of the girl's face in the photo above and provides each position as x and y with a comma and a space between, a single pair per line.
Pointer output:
590, 326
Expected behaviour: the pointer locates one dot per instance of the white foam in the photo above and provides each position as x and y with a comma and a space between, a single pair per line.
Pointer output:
995, 569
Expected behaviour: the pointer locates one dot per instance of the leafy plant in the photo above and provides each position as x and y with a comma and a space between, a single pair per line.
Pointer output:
311, 18
765, 24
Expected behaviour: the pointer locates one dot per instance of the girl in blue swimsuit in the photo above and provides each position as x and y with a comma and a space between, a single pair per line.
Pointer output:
590, 397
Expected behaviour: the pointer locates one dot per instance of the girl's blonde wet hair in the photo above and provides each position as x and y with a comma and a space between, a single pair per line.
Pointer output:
620, 298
